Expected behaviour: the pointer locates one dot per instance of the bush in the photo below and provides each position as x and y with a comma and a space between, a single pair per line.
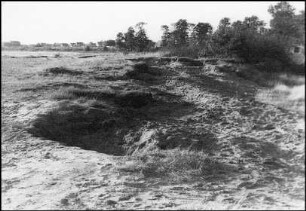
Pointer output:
254, 48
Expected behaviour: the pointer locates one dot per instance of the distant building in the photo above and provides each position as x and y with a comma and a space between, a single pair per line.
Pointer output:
80, 44
101, 44
15, 43
65, 45
41, 45
12, 44
92, 44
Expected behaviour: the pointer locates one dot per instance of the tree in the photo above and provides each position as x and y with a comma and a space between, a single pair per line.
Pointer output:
166, 36
141, 39
222, 37
200, 33
134, 40
300, 21
129, 38
120, 41
282, 9
253, 23
180, 33
283, 22
110, 42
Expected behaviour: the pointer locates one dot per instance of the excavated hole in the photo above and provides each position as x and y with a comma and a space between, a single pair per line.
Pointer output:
99, 120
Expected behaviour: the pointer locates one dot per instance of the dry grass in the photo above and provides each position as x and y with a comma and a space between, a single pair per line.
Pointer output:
288, 93
177, 165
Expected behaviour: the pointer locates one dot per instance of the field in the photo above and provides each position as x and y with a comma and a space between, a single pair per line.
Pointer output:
141, 131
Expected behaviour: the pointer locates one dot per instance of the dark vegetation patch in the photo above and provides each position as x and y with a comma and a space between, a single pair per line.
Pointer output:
141, 71
74, 93
29, 57
142, 59
52, 86
61, 70
107, 68
89, 56
212, 61
268, 78
166, 60
134, 98
189, 62
225, 88
109, 77
35, 57
250, 73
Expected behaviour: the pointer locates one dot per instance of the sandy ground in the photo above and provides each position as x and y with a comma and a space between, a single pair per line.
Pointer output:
263, 141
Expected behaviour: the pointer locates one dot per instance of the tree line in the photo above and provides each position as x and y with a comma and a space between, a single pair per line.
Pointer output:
249, 39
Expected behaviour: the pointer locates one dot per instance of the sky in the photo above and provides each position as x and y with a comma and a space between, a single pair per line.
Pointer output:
50, 22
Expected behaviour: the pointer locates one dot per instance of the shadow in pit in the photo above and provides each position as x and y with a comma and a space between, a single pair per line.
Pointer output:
100, 123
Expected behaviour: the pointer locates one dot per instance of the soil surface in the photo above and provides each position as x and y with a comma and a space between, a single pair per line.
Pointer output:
262, 142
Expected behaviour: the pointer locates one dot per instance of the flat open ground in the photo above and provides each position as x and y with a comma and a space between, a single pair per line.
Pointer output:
72, 140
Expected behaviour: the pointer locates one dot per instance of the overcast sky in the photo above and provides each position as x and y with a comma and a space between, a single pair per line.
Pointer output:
33, 22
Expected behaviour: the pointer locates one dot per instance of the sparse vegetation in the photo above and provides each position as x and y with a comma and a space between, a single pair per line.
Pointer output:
178, 165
